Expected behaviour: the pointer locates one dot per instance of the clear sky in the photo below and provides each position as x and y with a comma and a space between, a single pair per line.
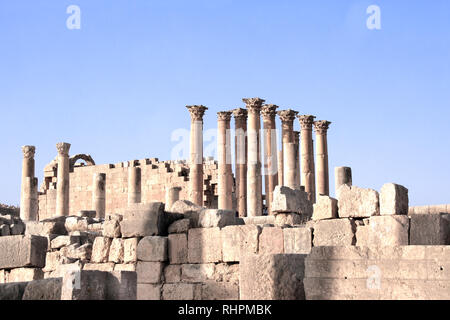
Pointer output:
117, 88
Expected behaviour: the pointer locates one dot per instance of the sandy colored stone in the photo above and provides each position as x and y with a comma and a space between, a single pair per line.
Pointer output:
389, 230
181, 291
84, 285
287, 200
336, 232
289, 219
212, 290
149, 272
99, 266
46, 289
153, 249
178, 248
130, 250
77, 252
393, 200
357, 202
325, 208
62, 241
147, 291
227, 272
271, 241
239, 240
111, 229
180, 226
125, 267
22, 251
116, 251
197, 272
76, 224
172, 273
430, 229
210, 218
204, 245
297, 240
25, 274
100, 249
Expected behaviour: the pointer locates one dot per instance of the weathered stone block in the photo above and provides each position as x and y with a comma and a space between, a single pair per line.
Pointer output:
130, 250
172, 273
210, 218
357, 202
111, 229
149, 272
125, 267
430, 229
22, 251
77, 252
225, 272
204, 245
181, 291
389, 231
121, 285
261, 220
44, 228
180, 226
153, 249
272, 277
325, 208
393, 200
287, 200
100, 249
12, 291
297, 240
271, 241
76, 224
336, 232
47, 289
197, 272
25, 274
148, 291
84, 285
289, 219
212, 290
107, 267
178, 248
62, 241
238, 241
116, 251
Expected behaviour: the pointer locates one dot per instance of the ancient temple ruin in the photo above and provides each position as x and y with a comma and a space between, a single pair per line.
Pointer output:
196, 230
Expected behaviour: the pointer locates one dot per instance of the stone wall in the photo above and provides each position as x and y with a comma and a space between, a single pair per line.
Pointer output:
155, 176
441, 208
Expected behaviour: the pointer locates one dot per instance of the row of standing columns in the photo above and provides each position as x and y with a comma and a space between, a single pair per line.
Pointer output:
280, 167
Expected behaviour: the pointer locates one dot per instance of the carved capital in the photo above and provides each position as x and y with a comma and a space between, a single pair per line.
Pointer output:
253, 104
28, 151
306, 121
240, 114
287, 115
321, 126
269, 111
224, 115
197, 112
63, 148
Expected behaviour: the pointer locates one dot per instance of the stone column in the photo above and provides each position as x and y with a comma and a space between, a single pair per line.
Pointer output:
134, 185
240, 120
342, 175
254, 178
28, 192
280, 167
172, 196
307, 155
323, 183
99, 194
62, 184
225, 187
287, 123
297, 158
268, 112
196, 160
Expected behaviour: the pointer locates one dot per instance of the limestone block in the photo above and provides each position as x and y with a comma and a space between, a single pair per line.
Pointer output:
148, 291
197, 272
261, 220
45, 228
130, 250
210, 218
336, 232
430, 229
172, 273
238, 241
289, 219
25, 274
186, 207
180, 226
393, 200
62, 241
116, 251
212, 290
84, 285
272, 277
141, 220
178, 248
389, 230
153, 249
107, 267
62, 269
76, 224
226, 272
77, 252
149, 272
100, 249
363, 235
357, 202
204, 245
47, 289
86, 214
22, 251
121, 285
291, 201
12, 291
325, 208
111, 229
297, 240
271, 241
125, 267
181, 291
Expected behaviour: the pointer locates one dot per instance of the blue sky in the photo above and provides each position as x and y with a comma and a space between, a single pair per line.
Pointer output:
117, 88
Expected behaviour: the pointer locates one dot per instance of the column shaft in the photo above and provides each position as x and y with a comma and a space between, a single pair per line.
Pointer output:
307, 156
99, 194
240, 117
28, 192
134, 185
225, 186
323, 184
172, 196
287, 122
62, 184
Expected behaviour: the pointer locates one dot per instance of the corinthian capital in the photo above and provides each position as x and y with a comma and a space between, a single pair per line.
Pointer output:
63, 148
197, 112
287, 115
321, 126
253, 104
306, 121
240, 114
224, 115
269, 111
28, 151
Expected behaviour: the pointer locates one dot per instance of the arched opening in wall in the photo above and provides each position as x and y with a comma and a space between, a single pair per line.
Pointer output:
81, 160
